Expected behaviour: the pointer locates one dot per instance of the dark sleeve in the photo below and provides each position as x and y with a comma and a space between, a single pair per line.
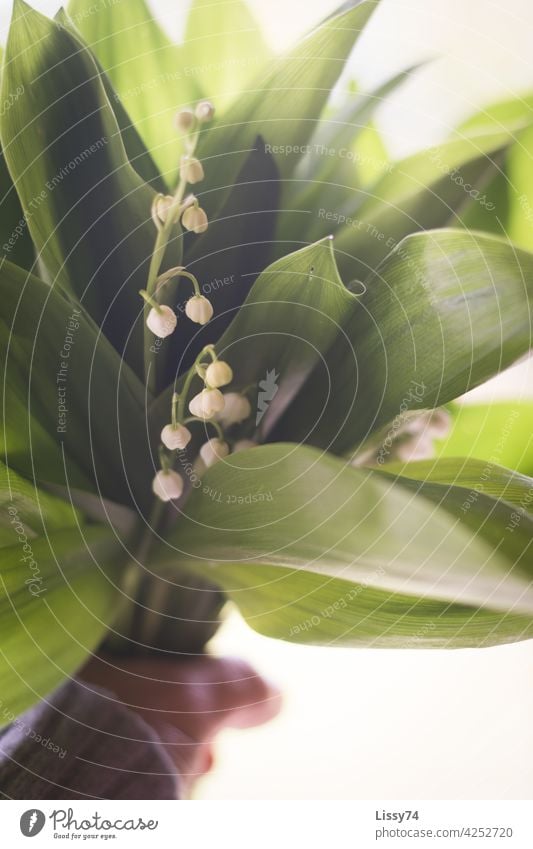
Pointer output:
80, 744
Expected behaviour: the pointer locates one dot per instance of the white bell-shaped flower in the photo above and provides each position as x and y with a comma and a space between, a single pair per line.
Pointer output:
184, 120
207, 403
175, 437
218, 374
213, 450
162, 321
199, 309
163, 205
191, 169
236, 409
167, 485
205, 111
195, 219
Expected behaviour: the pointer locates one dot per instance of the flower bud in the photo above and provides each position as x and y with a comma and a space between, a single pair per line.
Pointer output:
163, 205
213, 450
236, 409
167, 485
184, 120
175, 437
207, 403
199, 309
161, 321
218, 374
191, 169
243, 445
195, 219
205, 111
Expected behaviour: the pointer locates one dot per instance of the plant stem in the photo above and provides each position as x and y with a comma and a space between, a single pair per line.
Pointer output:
161, 243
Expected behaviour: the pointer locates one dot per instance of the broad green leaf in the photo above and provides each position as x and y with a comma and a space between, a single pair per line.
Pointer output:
483, 476
54, 610
428, 190
287, 531
76, 387
136, 150
444, 312
335, 136
150, 74
511, 113
512, 191
482, 505
282, 105
224, 48
89, 211
15, 242
27, 510
499, 432
333, 160
371, 155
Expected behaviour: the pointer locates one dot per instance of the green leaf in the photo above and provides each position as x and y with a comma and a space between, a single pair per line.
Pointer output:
290, 318
136, 150
483, 476
149, 73
282, 105
500, 432
427, 190
60, 371
23, 505
55, 607
224, 48
333, 161
444, 312
492, 502
88, 210
512, 191
294, 535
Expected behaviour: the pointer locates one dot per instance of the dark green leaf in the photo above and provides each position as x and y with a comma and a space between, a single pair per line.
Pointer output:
282, 105
444, 312
54, 610
297, 536
149, 73
60, 372
224, 48
88, 211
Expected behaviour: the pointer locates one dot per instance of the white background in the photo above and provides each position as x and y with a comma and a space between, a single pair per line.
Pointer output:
382, 724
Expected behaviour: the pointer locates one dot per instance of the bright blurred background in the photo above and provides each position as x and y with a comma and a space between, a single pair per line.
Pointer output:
380, 724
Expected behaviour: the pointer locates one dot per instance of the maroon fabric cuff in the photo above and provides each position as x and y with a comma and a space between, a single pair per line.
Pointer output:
81, 744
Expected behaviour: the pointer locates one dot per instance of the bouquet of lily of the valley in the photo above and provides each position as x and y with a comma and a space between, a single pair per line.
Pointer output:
232, 333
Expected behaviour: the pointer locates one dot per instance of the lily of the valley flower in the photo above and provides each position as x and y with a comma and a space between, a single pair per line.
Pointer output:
167, 485
175, 437
218, 374
199, 309
184, 120
191, 169
195, 219
236, 409
205, 111
213, 450
207, 403
162, 321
